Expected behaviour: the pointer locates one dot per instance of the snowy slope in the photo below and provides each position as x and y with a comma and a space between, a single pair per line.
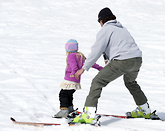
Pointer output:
32, 60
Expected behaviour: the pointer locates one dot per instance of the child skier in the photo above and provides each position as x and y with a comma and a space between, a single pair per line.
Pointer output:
75, 61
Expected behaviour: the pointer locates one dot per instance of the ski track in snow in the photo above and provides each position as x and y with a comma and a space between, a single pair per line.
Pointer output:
32, 61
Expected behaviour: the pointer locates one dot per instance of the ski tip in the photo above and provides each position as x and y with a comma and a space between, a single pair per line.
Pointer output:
12, 119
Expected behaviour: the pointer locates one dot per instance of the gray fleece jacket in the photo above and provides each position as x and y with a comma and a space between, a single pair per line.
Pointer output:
115, 41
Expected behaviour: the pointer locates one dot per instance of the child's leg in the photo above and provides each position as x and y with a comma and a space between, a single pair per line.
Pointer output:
63, 97
70, 101
70, 98
64, 103
66, 98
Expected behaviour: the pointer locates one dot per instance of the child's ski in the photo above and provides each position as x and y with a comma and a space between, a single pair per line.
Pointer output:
34, 123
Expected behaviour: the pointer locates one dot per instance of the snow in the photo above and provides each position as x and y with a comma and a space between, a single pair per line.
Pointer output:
33, 34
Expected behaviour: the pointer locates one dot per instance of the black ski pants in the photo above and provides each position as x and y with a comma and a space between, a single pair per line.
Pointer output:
66, 98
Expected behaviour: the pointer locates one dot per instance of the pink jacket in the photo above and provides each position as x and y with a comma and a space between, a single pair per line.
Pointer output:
74, 64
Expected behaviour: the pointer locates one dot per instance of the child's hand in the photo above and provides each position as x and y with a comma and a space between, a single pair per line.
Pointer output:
79, 72
71, 75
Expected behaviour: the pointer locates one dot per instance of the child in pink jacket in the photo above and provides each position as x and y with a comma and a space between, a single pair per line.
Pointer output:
75, 61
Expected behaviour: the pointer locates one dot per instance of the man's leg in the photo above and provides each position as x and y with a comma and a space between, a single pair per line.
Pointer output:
143, 109
131, 84
106, 75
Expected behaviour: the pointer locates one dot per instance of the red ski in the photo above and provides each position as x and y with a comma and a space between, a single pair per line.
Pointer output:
34, 123
128, 116
117, 116
47, 124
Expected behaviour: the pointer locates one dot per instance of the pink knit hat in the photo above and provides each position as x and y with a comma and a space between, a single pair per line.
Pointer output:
71, 46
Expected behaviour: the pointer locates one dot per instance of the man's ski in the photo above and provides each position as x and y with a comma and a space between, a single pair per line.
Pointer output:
34, 123
117, 116
128, 116
76, 113
50, 124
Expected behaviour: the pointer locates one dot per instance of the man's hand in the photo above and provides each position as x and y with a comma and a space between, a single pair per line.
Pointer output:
78, 73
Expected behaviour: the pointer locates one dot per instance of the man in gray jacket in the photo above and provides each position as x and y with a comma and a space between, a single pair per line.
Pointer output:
124, 58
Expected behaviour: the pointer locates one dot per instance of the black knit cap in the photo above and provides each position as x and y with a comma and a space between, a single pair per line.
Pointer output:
104, 13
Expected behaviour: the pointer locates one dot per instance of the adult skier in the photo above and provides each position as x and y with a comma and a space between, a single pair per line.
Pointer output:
125, 59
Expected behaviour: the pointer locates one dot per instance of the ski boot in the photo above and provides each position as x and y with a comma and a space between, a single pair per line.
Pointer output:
142, 111
63, 113
66, 112
70, 109
88, 116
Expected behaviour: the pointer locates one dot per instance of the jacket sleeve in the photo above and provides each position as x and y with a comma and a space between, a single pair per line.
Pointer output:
96, 66
97, 49
72, 63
